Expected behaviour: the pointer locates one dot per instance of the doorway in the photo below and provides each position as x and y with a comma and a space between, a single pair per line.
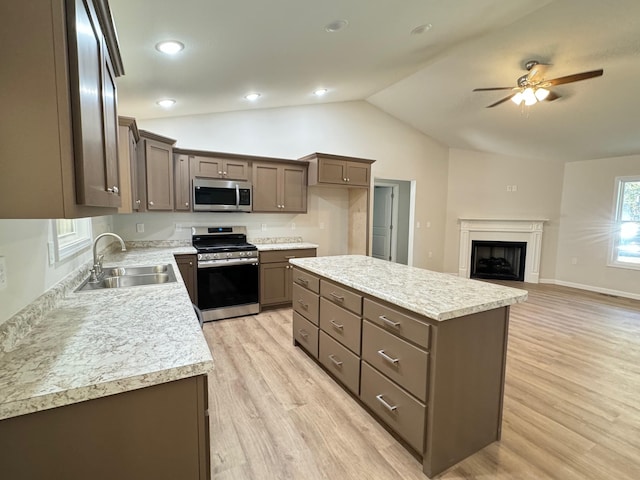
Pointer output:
392, 220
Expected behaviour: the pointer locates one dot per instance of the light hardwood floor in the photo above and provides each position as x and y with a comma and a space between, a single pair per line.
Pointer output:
571, 409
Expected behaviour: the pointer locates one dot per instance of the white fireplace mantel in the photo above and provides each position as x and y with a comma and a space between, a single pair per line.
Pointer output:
502, 230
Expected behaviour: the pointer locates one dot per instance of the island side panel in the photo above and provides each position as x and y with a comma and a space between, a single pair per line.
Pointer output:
466, 387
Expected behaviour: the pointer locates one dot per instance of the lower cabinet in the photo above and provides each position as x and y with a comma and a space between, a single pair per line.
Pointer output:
438, 385
188, 266
276, 275
159, 432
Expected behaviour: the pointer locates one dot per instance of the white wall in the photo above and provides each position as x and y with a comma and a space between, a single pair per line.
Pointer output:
23, 243
477, 188
352, 128
587, 215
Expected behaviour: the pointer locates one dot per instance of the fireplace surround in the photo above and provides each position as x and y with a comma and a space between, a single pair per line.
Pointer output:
502, 230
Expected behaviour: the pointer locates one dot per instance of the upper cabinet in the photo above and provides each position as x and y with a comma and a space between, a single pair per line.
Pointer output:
326, 169
280, 187
219, 167
60, 62
182, 182
128, 137
155, 172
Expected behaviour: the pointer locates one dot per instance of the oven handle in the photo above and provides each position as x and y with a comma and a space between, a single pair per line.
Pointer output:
229, 263
237, 196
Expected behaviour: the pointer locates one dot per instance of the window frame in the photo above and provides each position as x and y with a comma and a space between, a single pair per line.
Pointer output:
616, 224
67, 245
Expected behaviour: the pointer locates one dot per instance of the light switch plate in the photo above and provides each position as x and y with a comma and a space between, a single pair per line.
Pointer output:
140, 227
3, 273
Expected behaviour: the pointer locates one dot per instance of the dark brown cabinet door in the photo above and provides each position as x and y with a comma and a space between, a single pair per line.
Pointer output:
331, 171
279, 187
235, 170
182, 183
159, 175
358, 173
294, 188
265, 188
187, 264
275, 283
93, 101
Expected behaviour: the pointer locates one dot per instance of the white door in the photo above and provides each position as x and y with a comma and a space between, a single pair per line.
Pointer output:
382, 223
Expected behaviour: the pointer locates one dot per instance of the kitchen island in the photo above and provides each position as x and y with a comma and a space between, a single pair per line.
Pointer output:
111, 383
424, 352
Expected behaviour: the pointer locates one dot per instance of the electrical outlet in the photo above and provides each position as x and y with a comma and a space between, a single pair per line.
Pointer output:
508, 188
264, 227
417, 224
140, 227
293, 226
3, 273
514, 188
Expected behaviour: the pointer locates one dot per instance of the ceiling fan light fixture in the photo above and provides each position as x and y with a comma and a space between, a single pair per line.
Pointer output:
541, 93
529, 96
517, 98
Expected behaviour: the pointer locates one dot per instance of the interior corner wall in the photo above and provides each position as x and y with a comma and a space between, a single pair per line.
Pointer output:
587, 216
477, 188
356, 129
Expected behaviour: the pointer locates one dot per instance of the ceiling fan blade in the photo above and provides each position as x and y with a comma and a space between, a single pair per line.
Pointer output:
551, 97
576, 77
491, 89
500, 101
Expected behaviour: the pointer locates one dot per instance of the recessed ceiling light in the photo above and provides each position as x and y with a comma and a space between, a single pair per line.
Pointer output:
252, 96
320, 92
421, 29
166, 102
170, 47
336, 25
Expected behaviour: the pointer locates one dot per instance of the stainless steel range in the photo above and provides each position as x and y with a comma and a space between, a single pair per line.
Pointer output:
228, 272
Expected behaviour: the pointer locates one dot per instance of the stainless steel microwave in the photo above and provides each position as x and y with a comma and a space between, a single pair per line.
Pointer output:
212, 195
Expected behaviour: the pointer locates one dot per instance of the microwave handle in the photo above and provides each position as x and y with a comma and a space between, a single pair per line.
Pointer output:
237, 196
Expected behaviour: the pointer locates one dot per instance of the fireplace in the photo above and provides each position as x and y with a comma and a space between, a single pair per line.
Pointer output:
498, 260
528, 232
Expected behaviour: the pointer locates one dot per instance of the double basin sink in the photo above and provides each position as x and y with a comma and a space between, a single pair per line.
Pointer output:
118, 277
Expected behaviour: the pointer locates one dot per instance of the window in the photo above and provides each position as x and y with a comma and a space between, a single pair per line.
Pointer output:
625, 251
70, 236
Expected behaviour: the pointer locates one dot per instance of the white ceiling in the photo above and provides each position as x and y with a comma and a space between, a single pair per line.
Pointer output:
280, 49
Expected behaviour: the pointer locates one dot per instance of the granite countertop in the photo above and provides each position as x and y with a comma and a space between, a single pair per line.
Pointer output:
438, 296
104, 342
265, 247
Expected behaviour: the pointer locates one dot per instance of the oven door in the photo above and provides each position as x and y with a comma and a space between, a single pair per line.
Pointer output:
228, 290
210, 195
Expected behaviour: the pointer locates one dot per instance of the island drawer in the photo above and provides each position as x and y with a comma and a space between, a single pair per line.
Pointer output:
395, 407
344, 365
341, 296
342, 325
403, 325
402, 362
305, 303
306, 334
306, 280
276, 256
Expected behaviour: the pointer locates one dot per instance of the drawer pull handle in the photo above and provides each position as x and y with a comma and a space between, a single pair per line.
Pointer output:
303, 305
389, 322
289, 256
337, 363
388, 358
337, 297
303, 334
302, 280
336, 324
391, 408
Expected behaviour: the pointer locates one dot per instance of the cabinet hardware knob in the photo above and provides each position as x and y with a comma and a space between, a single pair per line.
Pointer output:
388, 358
224, 173
337, 363
344, 179
151, 203
336, 324
137, 202
116, 189
191, 264
348, 179
391, 408
186, 204
110, 190
282, 206
219, 172
337, 297
391, 323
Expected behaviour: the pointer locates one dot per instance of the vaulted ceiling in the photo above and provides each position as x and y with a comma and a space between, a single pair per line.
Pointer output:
281, 49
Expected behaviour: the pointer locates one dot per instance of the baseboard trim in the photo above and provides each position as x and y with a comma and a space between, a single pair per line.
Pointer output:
591, 288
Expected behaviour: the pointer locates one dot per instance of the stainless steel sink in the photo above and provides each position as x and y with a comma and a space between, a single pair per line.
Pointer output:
120, 277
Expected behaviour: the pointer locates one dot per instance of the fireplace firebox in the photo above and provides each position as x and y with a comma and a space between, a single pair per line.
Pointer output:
498, 260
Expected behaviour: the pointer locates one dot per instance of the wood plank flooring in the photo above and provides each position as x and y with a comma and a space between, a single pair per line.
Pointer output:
571, 409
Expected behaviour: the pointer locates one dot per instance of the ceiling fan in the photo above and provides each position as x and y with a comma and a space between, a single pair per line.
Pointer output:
532, 87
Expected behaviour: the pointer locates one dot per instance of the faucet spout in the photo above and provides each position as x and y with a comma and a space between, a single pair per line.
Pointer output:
97, 262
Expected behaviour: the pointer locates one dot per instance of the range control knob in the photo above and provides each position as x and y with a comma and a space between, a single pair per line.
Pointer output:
228, 254
215, 255
242, 254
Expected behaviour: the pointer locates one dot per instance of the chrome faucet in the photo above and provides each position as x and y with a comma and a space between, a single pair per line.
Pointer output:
96, 271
